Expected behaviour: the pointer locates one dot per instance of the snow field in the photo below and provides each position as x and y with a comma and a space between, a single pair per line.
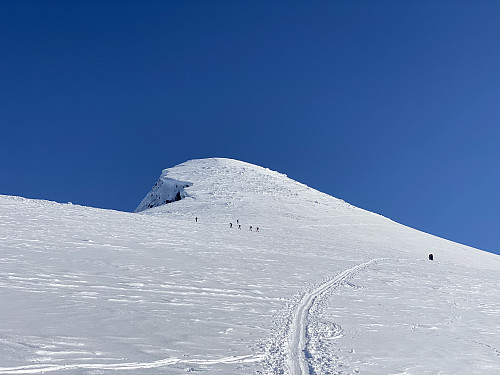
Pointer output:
411, 317
89, 291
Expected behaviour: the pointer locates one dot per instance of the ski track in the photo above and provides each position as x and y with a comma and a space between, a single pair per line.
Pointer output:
42, 368
296, 359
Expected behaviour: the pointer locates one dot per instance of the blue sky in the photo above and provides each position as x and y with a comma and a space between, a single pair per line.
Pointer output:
392, 106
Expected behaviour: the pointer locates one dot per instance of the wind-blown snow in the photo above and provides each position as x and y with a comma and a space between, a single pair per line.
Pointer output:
322, 288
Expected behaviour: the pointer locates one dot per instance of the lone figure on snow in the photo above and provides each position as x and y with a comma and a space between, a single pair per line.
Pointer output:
196, 219
431, 257
230, 225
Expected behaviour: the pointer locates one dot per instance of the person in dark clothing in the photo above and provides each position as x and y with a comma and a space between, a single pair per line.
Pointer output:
257, 229
250, 227
239, 226
196, 219
431, 256
230, 225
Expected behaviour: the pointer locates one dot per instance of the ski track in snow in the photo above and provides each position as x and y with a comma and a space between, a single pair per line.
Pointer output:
296, 347
38, 369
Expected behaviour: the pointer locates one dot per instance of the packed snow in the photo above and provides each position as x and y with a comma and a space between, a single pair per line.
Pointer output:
322, 288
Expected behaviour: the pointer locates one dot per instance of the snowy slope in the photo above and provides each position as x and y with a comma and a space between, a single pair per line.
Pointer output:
322, 288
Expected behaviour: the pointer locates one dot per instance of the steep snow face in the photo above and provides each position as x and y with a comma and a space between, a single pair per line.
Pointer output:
165, 190
322, 288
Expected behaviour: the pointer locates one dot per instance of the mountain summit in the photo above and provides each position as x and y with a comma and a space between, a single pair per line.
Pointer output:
225, 182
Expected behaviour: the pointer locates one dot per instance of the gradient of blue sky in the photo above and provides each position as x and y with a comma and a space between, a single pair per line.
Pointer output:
392, 106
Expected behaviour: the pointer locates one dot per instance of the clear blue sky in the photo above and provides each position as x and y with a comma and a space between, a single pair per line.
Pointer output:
393, 106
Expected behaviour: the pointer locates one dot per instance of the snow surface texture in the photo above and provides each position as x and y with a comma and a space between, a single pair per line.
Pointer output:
322, 288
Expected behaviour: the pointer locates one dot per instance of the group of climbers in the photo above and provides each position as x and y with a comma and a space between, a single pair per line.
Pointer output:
237, 223
239, 226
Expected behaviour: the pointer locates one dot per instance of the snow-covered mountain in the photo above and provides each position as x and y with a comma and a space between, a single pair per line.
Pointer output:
322, 288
